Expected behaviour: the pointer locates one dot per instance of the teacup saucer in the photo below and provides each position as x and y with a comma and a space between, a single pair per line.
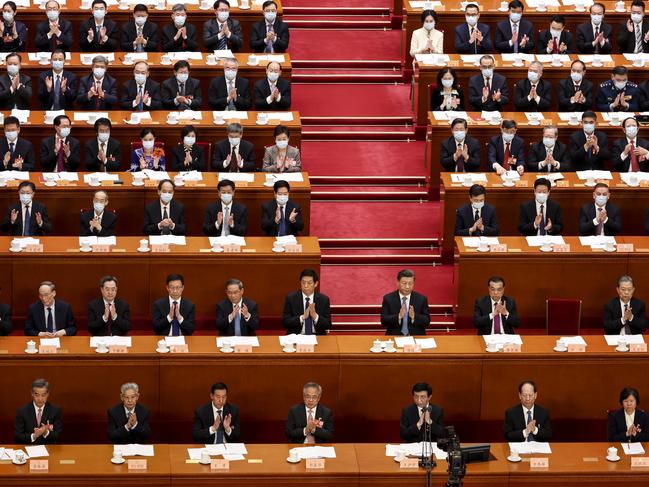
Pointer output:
613, 459
288, 350
278, 249
205, 463
546, 249
491, 351
31, 352
83, 249
618, 349
376, 350
101, 351
117, 462
140, 249
630, 185
50, 183
172, 122
252, 64
514, 459
162, 350
390, 350
226, 350
16, 462
261, 123
509, 184
216, 250
556, 349
288, 459
241, 7
135, 183
482, 249
15, 251
94, 185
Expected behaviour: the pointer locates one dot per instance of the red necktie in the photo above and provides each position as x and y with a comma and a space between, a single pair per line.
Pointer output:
634, 159
460, 161
97, 99
497, 327
60, 157
507, 157
555, 47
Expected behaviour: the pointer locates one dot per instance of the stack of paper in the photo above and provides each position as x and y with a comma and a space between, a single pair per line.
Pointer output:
594, 174
502, 339
10, 454
420, 4
525, 447
227, 449
552, 176
37, 451
534, 116
137, 56
63, 176
548, 58
191, 175
588, 58
489, 115
633, 448
568, 3
167, 240
414, 449
223, 53
37, 56
195, 453
426, 343
11, 175
597, 241
272, 58
566, 116
578, 340
294, 339
475, 177
46, 342
289, 177
83, 116
511, 175
640, 176
244, 177
87, 58
229, 240
110, 340
233, 340
190, 115
134, 449
186, 56
608, 116
538, 240
470, 58
629, 339
101, 176
477, 241
442, 115
314, 452
171, 341
93, 240
401, 341
630, 56
25, 241
21, 115
155, 175
432, 58
286, 240
511, 57
138, 117
230, 114
281, 116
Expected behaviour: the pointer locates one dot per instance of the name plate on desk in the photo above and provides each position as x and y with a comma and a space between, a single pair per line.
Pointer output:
219, 464
304, 348
47, 349
242, 349
562, 248
160, 248
577, 347
65, 182
241, 184
411, 348
39, 465
313, 463
100, 248
638, 347
13, 183
179, 348
498, 248
626, 247
117, 349
562, 184
409, 463
148, 183
34, 248
293, 248
640, 461
644, 183
139, 464
511, 348
521, 184
232, 248
539, 462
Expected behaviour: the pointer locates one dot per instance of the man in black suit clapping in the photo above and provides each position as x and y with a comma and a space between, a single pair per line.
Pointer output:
625, 315
39, 422
217, 421
174, 315
128, 422
495, 314
527, 421
540, 216
50, 317
108, 315
271, 34
404, 311
236, 315
310, 422
477, 218
413, 416
307, 312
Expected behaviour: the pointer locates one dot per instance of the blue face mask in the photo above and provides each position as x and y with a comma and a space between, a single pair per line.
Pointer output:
515, 16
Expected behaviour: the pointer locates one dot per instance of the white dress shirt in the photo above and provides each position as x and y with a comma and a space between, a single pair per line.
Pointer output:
536, 429
315, 321
127, 412
629, 419
46, 434
306, 409
622, 318
502, 319
224, 207
53, 316
171, 308
595, 222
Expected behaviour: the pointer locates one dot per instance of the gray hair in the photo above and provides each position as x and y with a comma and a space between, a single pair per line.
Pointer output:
40, 384
179, 7
132, 386
312, 385
100, 59
552, 127
623, 279
231, 60
539, 64
235, 127
49, 284
233, 282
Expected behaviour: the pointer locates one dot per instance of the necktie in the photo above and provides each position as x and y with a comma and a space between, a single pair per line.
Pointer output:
60, 158
165, 215
600, 226
488, 84
460, 160
226, 217
597, 44
39, 416
555, 46
627, 327
237, 324
497, 323
234, 166
508, 155
139, 47
54, 42
638, 38
309, 437
102, 166
475, 43
542, 224
182, 89
175, 326
11, 150
476, 217
56, 105
223, 41
634, 159
98, 35
282, 222
514, 32
404, 321
27, 222
231, 105
50, 321
109, 322
97, 98
589, 152
308, 322
140, 92
530, 437
269, 46
219, 432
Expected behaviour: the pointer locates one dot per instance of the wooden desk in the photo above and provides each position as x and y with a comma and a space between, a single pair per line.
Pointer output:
65, 202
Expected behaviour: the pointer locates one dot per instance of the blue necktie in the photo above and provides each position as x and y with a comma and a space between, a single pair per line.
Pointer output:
50, 321
11, 149
57, 93
404, 320
140, 105
219, 431
308, 322
543, 223
175, 326
237, 324
223, 41
282, 222
27, 222
530, 437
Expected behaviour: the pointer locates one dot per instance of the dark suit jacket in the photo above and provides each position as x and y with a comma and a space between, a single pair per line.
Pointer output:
23, 148
36, 321
118, 434
239, 213
262, 91
522, 90
271, 228
129, 94
149, 32
178, 158
5, 319
498, 82
613, 225
169, 31
617, 426
620, 165
26, 422
258, 35
545, 36
504, 35
162, 326
153, 216
204, 419
462, 36
18, 44
465, 218
111, 45
108, 102
113, 155
496, 151
64, 40
586, 36
482, 309
626, 39
613, 317
19, 98
528, 214
17, 228
218, 93
644, 99
211, 35
294, 308
580, 160
410, 417
390, 314
296, 422
559, 152
226, 328
108, 224
515, 423
48, 154
170, 91
436, 98
566, 90
246, 152
449, 146
98, 327
47, 97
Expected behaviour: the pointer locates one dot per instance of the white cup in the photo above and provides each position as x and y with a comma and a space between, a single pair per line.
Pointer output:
31, 345
574, 119
590, 181
218, 118
85, 245
205, 457
206, 4
619, 5
262, 117
400, 455
20, 456
102, 347
610, 246
85, 3
513, 453
389, 345
504, 5
178, 179
467, 181
580, 5
621, 344
94, 180
211, 58
144, 243
639, 62
561, 344
492, 346
162, 345
615, 117
161, 5
540, 6
2, 180
293, 456
252, 59
138, 177
172, 117
123, 3
288, 347
15, 244
484, 246
611, 452
117, 456
633, 179
556, 59
165, 58
376, 344
597, 60
245, 3
227, 345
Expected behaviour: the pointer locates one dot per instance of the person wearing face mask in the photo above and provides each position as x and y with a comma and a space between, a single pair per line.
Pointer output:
619, 94
281, 216
594, 37
179, 35
222, 32
164, 216
625, 315
98, 221
633, 35
99, 33
61, 152
230, 91
225, 217
472, 37
495, 313
460, 153
15, 88
515, 35
14, 32
103, 153
533, 94
181, 92
148, 156
447, 95
506, 152
271, 34
140, 34
53, 33
141, 93
631, 153
602, 217
549, 155
234, 154
57, 88
540, 216
188, 155
575, 93
273, 92
282, 157
488, 90
17, 153
589, 147
427, 39
556, 39
98, 90
476, 218
26, 218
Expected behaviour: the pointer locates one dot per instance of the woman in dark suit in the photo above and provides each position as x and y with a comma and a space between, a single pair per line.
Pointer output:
188, 156
446, 95
628, 423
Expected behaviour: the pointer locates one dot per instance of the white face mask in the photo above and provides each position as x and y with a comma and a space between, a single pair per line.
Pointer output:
487, 72
549, 142
8, 16
601, 200
11, 136
99, 207
53, 15
234, 141
189, 141
99, 72
272, 76
596, 19
140, 78
631, 131
281, 199
477, 206
576, 77
13, 69
103, 136
166, 197
636, 18
65, 131
182, 77
223, 16
281, 144
179, 20
57, 65
533, 76
447, 83
620, 85
148, 144
140, 21
589, 128
472, 20
515, 16
270, 17
541, 198
508, 137
230, 74
459, 135
99, 14
429, 25
555, 33
226, 198
25, 199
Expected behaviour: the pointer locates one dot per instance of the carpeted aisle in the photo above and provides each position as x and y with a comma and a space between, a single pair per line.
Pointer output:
333, 44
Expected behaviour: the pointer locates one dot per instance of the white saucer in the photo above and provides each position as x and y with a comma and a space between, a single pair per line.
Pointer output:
31, 352
134, 183
179, 185
615, 124
148, 249
252, 64
560, 349
98, 351
169, 122
609, 250
621, 10
534, 122
376, 351
574, 124
559, 65
15, 462
15, 251
514, 460
165, 64
94, 185
163, 350
117, 462
261, 123
481, 249
392, 350
50, 183
509, 184
545, 9
518, 65
216, 250
44, 63
617, 349
224, 350
244, 8
216, 63
492, 351
597, 65
590, 185
131, 122
205, 463
288, 459
288, 351
580, 9
502, 10
545, 250
81, 249
613, 459
222, 122
269, 184
278, 250
128, 63
493, 121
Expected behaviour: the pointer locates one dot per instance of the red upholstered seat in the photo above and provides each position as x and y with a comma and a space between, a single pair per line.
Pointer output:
562, 316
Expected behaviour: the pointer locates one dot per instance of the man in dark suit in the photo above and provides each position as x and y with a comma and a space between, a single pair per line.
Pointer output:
540, 216
575, 93
15, 88
217, 421
103, 153
273, 92
180, 92
234, 154
533, 94
16, 154
222, 32
164, 216
99, 33
229, 92
57, 88
98, 222
178, 35
556, 39
225, 217
630, 154
625, 315
271, 34
619, 94
549, 155
27, 217
488, 90
595, 37
236, 315
98, 90
527, 421
54, 33
307, 312
506, 152
310, 422
589, 147
174, 315
50, 317
420, 413
141, 93
128, 422
477, 218
495, 314
633, 35
60, 152
472, 37
515, 34
108, 315
618, 430
140, 35
460, 153
602, 217
39, 422
405, 311
281, 216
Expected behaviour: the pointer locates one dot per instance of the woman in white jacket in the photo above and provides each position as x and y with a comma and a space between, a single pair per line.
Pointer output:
427, 40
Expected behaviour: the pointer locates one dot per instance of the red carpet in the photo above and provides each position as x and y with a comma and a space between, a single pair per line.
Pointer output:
333, 4
314, 44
